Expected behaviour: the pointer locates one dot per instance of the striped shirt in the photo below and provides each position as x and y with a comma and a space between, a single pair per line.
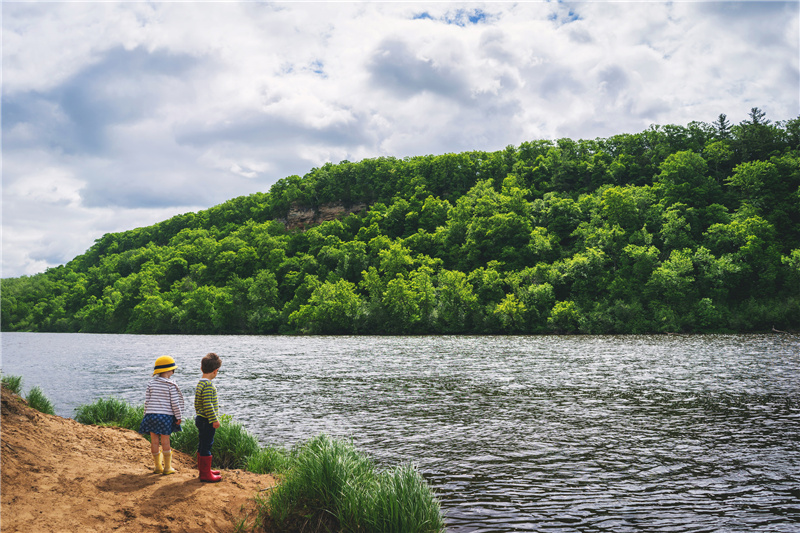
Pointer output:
205, 401
163, 397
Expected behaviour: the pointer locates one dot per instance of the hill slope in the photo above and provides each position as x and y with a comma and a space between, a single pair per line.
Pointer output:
691, 229
59, 475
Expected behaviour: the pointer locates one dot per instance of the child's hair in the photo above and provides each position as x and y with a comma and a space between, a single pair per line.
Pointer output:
210, 363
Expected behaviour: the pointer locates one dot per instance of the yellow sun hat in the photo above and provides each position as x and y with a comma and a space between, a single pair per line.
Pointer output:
164, 363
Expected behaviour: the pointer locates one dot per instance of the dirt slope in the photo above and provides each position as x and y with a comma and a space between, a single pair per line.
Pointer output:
62, 476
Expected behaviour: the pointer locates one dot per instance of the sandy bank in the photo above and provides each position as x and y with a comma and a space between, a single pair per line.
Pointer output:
62, 476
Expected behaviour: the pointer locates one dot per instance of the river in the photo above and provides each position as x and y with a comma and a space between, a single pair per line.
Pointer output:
523, 433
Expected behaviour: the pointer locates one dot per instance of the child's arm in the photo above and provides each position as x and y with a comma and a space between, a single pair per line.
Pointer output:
176, 398
214, 408
210, 405
147, 397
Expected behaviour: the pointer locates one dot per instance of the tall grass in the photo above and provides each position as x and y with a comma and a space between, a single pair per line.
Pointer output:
13, 383
111, 412
39, 401
35, 398
232, 448
269, 460
331, 486
403, 502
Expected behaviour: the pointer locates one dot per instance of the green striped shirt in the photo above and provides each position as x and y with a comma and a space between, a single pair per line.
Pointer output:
205, 401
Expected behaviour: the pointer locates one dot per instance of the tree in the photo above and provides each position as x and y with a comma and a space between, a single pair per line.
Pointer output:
684, 178
673, 281
672, 291
757, 117
719, 156
395, 260
511, 313
334, 308
749, 242
715, 276
402, 303
676, 231
791, 263
501, 236
564, 318
559, 215
488, 283
723, 126
347, 260
756, 137
626, 206
196, 312
95, 316
263, 303
456, 302
636, 266
152, 315
433, 213
750, 179
586, 273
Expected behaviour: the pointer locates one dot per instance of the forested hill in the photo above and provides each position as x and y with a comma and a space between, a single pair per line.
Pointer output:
675, 229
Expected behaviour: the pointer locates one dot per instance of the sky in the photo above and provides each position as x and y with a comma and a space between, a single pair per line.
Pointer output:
121, 115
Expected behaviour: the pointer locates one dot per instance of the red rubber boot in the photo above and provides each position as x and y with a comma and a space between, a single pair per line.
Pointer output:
215, 472
204, 465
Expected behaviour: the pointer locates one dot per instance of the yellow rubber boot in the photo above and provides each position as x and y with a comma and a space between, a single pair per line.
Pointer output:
168, 464
157, 459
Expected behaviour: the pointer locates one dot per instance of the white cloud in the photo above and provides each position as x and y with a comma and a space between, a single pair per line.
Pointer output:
50, 186
143, 110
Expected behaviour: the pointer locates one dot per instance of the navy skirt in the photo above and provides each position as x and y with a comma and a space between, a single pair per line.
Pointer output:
159, 424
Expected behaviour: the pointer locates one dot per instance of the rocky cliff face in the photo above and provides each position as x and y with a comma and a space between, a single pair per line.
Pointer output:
300, 217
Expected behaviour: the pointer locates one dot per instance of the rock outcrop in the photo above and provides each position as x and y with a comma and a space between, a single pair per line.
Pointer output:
301, 217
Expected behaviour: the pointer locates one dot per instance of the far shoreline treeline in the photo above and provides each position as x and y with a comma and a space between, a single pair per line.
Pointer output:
674, 229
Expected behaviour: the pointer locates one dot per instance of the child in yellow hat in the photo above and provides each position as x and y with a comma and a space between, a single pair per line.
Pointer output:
163, 412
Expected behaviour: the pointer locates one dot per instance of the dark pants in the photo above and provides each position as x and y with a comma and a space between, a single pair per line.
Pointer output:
206, 431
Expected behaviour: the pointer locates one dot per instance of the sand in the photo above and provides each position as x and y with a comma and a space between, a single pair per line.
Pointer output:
62, 476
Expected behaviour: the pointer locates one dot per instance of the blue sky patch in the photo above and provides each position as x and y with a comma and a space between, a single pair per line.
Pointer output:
318, 67
460, 17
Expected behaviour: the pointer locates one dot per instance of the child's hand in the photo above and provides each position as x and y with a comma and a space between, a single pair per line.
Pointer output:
179, 422
215, 425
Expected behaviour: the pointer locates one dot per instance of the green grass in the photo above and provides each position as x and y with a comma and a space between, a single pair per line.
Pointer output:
269, 460
13, 383
185, 440
39, 401
403, 502
233, 445
111, 412
36, 398
332, 487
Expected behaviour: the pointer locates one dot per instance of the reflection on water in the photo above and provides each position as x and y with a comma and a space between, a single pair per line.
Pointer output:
642, 433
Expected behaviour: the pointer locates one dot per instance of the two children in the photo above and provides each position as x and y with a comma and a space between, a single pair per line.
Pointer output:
163, 410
